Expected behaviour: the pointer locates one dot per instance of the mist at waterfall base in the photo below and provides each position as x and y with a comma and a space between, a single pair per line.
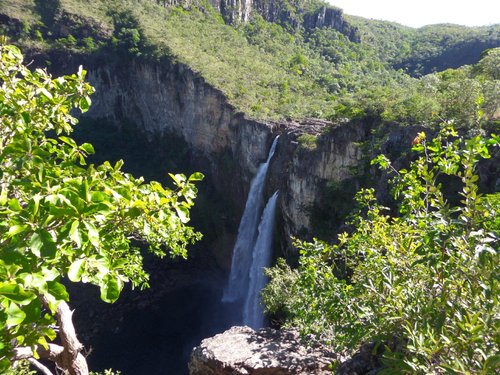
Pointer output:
252, 252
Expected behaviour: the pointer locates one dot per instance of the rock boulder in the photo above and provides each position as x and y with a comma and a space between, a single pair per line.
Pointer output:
241, 350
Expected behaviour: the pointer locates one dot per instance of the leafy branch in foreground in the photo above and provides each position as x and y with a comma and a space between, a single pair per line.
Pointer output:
424, 284
60, 217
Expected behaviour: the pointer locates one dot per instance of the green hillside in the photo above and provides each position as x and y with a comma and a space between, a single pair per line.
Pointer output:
268, 70
427, 49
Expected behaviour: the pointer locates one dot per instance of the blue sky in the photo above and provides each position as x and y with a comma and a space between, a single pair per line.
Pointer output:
418, 13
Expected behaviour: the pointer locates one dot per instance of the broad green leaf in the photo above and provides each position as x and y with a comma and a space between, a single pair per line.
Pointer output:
98, 196
183, 213
88, 148
58, 290
85, 103
34, 281
44, 92
43, 341
93, 234
36, 244
16, 229
197, 176
4, 365
15, 315
68, 141
33, 311
179, 179
74, 233
76, 270
16, 293
49, 248
110, 288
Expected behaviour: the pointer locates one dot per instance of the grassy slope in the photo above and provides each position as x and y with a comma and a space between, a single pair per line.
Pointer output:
23, 10
264, 71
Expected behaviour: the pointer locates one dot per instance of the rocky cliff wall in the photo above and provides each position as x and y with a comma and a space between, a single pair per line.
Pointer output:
336, 152
288, 13
163, 99
166, 101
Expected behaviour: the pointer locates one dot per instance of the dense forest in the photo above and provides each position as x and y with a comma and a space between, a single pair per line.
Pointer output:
417, 279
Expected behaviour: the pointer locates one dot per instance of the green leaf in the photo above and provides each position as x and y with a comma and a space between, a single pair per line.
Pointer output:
49, 248
16, 229
92, 233
15, 293
110, 288
183, 213
33, 311
68, 141
4, 365
57, 290
26, 118
44, 92
85, 103
179, 179
74, 233
76, 270
197, 176
15, 315
88, 148
36, 244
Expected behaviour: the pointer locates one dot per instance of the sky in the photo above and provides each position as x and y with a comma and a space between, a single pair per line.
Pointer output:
417, 13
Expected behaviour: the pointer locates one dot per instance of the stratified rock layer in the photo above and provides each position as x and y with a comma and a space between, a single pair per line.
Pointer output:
241, 350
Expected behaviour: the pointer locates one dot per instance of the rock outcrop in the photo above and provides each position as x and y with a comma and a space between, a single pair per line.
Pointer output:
243, 351
336, 153
288, 13
333, 18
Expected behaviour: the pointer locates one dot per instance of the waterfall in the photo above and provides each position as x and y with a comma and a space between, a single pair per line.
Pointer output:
238, 283
253, 313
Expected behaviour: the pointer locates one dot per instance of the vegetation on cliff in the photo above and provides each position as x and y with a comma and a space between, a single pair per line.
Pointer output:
273, 70
423, 285
61, 218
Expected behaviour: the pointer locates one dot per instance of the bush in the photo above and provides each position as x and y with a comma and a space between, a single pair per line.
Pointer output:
425, 282
308, 141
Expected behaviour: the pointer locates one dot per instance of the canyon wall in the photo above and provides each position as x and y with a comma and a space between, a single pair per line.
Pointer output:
288, 13
169, 102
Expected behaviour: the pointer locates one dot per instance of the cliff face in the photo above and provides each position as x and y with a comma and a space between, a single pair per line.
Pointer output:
163, 99
168, 100
288, 13
332, 159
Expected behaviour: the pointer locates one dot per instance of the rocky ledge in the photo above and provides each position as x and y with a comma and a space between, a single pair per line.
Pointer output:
241, 350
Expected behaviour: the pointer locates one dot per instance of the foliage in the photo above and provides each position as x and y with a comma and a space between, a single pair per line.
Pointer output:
106, 372
427, 49
423, 284
308, 141
128, 35
21, 368
281, 70
61, 218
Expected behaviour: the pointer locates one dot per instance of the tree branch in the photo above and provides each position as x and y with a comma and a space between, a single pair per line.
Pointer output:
67, 357
43, 369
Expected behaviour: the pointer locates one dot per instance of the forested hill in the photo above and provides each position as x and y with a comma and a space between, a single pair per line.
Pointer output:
427, 49
279, 59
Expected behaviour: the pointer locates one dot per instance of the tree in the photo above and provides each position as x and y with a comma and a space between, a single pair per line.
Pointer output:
63, 219
422, 285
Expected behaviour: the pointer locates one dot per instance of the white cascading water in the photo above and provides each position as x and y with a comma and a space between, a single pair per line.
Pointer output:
253, 312
238, 284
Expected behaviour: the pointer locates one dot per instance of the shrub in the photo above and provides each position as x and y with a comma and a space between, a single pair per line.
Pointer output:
425, 282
